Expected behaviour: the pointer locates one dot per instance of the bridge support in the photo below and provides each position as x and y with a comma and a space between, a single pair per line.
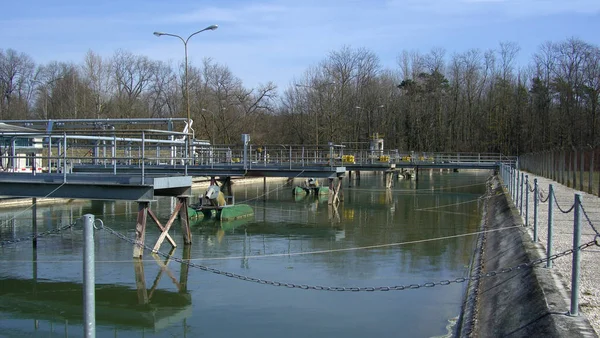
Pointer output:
335, 191
389, 177
140, 228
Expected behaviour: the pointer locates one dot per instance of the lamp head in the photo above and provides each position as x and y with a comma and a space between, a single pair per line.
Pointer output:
159, 34
212, 27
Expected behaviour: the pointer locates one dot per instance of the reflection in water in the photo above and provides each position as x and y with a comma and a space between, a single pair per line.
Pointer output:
377, 237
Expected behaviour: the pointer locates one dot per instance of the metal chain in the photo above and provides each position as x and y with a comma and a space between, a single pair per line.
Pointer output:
38, 235
589, 221
542, 200
345, 288
532, 189
559, 208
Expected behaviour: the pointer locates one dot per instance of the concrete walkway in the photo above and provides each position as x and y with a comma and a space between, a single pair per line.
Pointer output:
589, 295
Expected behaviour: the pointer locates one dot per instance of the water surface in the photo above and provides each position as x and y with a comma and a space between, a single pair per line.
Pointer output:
411, 234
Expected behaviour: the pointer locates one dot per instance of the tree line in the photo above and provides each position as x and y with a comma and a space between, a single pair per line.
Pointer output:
479, 101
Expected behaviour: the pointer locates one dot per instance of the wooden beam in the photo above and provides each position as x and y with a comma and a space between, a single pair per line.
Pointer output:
165, 232
162, 228
140, 230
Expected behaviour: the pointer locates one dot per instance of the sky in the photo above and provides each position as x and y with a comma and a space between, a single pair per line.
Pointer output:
278, 40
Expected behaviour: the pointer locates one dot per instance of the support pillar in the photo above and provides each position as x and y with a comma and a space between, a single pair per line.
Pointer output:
140, 230
184, 219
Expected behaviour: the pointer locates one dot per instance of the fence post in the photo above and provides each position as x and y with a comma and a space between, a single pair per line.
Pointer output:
521, 198
576, 257
89, 278
550, 225
517, 189
535, 209
526, 200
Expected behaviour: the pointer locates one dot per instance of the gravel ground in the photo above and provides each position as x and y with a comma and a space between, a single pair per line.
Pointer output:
589, 287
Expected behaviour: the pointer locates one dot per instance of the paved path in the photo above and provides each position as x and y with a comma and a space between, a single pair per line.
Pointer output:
589, 295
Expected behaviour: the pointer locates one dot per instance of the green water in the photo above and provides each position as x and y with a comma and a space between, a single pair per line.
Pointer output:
411, 234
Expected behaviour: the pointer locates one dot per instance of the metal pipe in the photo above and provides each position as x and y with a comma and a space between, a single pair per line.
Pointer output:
65, 158
535, 209
521, 199
576, 257
89, 278
526, 200
550, 225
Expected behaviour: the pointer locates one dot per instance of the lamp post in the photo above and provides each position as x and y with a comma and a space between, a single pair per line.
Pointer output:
316, 115
187, 89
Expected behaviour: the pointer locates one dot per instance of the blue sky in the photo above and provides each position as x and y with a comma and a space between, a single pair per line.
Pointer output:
278, 40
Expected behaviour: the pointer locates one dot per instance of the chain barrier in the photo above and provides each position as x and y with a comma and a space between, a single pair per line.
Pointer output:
542, 199
561, 209
532, 189
346, 288
590, 221
38, 235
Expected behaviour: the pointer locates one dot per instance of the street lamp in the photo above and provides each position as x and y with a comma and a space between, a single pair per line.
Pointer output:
316, 115
187, 89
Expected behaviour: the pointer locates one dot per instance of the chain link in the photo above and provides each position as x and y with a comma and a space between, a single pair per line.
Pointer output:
346, 288
542, 200
589, 220
559, 208
532, 189
38, 235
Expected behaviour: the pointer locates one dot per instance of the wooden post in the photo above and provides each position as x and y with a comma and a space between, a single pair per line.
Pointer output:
140, 230
185, 220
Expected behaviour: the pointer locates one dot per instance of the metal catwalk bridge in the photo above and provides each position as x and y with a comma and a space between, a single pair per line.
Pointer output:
113, 159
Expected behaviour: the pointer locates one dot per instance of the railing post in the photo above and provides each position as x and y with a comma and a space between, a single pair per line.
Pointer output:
521, 199
114, 154
526, 200
535, 209
550, 225
144, 155
517, 188
576, 257
89, 278
65, 158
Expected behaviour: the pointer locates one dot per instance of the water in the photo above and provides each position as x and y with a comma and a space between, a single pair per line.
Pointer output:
411, 234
